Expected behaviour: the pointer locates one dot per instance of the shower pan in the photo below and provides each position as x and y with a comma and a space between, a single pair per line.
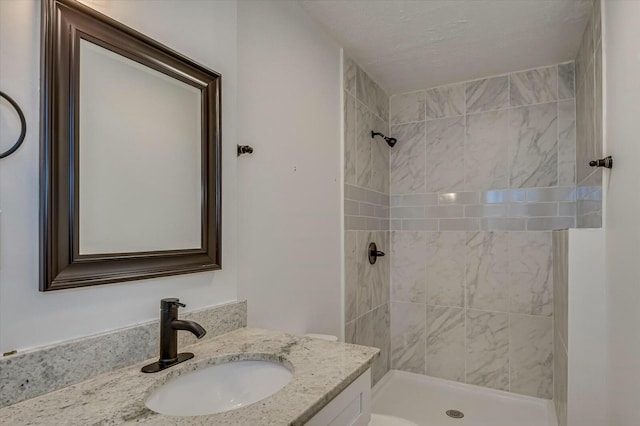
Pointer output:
408, 399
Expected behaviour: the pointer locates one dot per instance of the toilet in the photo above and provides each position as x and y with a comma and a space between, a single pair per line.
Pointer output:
384, 420
328, 337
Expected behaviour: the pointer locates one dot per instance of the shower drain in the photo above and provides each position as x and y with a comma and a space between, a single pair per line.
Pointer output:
455, 414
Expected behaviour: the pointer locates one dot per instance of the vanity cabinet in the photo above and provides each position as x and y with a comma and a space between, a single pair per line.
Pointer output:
352, 407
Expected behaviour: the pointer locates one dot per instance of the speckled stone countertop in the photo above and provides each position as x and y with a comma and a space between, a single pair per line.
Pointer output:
321, 370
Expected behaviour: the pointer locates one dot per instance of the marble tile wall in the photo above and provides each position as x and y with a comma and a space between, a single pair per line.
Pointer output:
508, 132
366, 209
367, 296
482, 173
475, 307
366, 108
589, 123
33, 373
560, 329
366, 160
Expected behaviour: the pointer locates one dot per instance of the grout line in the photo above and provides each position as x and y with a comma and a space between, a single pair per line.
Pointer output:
558, 81
558, 139
355, 123
484, 78
567, 99
490, 110
553, 375
509, 352
465, 302
486, 190
465, 143
445, 117
509, 131
536, 104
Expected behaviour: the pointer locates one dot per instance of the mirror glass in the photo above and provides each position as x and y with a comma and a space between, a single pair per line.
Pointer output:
130, 173
140, 166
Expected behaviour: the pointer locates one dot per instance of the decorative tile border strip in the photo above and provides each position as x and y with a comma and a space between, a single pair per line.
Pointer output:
533, 209
365, 209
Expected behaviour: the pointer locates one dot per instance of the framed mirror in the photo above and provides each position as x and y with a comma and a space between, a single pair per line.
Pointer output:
130, 154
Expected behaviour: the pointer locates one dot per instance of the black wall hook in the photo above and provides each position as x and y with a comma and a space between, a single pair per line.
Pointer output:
606, 162
23, 126
244, 149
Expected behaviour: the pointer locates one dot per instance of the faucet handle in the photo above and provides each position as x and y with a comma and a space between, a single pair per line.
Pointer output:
166, 304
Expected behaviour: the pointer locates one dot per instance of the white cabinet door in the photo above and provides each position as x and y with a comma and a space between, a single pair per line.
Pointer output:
352, 407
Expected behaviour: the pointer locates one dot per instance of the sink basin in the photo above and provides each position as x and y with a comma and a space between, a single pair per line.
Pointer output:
219, 388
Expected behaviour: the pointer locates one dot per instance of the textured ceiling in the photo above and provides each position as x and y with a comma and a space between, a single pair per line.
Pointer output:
410, 45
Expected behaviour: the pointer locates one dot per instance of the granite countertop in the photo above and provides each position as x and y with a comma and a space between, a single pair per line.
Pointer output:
321, 370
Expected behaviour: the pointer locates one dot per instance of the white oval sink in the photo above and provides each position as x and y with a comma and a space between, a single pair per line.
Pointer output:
219, 388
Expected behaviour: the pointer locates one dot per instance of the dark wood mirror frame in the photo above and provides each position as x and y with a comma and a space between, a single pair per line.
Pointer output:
64, 24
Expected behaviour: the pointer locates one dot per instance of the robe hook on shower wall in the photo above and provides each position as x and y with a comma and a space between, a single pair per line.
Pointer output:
23, 126
390, 141
606, 162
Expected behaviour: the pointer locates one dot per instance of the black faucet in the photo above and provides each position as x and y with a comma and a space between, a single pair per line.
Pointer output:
169, 326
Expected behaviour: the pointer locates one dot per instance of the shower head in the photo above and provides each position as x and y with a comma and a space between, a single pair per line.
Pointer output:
390, 141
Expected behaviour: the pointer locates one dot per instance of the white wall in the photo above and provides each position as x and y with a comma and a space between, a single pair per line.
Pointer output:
587, 351
290, 188
203, 31
622, 207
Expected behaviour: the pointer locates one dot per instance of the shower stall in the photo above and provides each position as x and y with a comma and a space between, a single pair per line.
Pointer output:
464, 204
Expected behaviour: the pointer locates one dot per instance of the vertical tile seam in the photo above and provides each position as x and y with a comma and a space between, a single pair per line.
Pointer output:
509, 351
389, 195
593, 95
357, 265
426, 337
558, 127
509, 111
355, 125
371, 145
557, 82
553, 340
426, 301
426, 160
509, 244
464, 306
465, 144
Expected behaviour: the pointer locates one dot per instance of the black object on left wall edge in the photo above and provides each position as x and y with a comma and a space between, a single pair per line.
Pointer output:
23, 126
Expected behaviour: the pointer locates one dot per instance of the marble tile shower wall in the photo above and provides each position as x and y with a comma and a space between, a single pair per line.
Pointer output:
589, 123
492, 154
481, 174
474, 307
560, 329
366, 209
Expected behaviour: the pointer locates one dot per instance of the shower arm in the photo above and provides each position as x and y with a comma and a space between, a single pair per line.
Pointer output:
390, 141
